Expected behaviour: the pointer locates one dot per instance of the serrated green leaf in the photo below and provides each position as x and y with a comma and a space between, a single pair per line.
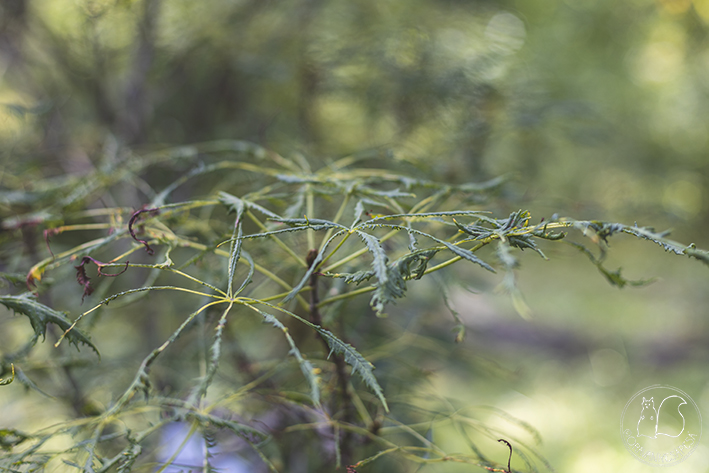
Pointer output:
360, 366
363, 368
293, 179
130, 455
310, 222
357, 277
455, 213
463, 253
298, 205
238, 205
233, 203
659, 238
40, 315
410, 266
305, 366
240, 429
613, 277
306, 277
359, 208
393, 194
380, 259
286, 230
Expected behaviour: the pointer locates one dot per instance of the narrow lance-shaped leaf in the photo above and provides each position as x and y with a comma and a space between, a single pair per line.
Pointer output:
455, 213
308, 222
394, 194
613, 277
200, 390
380, 259
462, 252
261, 209
659, 238
509, 281
504, 253
159, 199
205, 419
296, 208
249, 277
311, 268
234, 204
360, 366
363, 368
234, 253
286, 230
360, 209
305, 366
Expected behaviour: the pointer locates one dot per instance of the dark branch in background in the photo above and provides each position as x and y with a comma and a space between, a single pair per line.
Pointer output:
133, 118
131, 222
309, 74
99, 85
346, 446
13, 22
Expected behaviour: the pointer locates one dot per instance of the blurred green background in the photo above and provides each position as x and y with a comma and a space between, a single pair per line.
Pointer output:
594, 109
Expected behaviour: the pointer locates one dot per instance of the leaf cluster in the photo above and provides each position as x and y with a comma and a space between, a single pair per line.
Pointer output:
266, 249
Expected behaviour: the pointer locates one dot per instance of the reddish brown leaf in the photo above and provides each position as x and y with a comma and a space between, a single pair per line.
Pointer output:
132, 221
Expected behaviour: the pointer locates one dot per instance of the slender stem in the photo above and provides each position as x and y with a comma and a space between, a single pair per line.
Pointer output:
344, 239
337, 218
310, 209
277, 240
281, 295
346, 295
257, 267
449, 262
83, 226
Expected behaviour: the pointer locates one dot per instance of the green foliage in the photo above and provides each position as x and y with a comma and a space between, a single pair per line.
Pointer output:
40, 315
186, 258
282, 224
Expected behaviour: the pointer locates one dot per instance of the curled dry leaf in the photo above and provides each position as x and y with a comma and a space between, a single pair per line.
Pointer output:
83, 279
131, 230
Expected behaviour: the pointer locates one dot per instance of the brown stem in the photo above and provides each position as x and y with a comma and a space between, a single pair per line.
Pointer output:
340, 366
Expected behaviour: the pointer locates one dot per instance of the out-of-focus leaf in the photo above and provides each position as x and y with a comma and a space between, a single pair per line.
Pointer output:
613, 277
10, 438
